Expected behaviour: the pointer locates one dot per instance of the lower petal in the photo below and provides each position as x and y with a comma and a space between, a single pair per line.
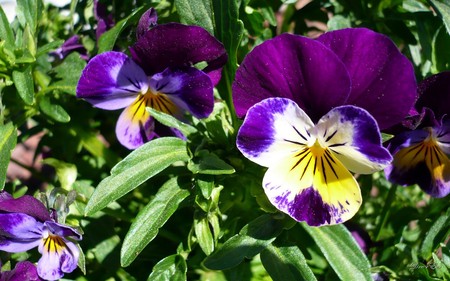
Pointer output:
135, 126
316, 189
59, 256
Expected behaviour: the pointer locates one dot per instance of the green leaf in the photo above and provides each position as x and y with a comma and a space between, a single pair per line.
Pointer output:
66, 172
440, 55
209, 164
285, 263
23, 80
203, 233
140, 165
443, 7
172, 122
441, 270
171, 268
8, 141
438, 232
27, 13
6, 32
108, 39
196, 12
69, 72
150, 219
251, 240
338, 22
341, 251
52, 110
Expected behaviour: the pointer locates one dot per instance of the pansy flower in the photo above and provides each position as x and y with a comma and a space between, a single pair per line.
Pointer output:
160, 74
421, 152
71, 45
24, 271
25, 223
313, 110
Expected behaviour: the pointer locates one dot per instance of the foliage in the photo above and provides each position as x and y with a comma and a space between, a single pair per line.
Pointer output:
194, 209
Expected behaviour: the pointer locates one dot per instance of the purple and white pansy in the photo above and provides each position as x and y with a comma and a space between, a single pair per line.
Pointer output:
25, 223
160, 73
421, 152
313, 112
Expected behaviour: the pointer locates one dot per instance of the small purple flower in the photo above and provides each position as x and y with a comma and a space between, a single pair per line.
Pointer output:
160, 74
71, 45
24, 271
421, 151
105, 20
313, 110
25, 223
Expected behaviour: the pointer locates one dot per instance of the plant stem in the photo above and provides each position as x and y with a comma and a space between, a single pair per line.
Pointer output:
385, 212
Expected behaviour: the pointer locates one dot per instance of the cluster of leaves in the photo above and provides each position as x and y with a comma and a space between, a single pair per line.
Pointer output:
194, 209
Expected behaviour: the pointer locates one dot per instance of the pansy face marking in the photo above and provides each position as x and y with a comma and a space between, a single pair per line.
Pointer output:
309, 164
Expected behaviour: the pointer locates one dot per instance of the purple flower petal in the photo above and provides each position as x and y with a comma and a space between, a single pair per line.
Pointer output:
383, 80
434, 93
190, 89
352, 135
26, 204
148, 20
19, 232
420, 158
135, 126
111, 81
293, 67
24, 271
62, 230
59, 256
175, 45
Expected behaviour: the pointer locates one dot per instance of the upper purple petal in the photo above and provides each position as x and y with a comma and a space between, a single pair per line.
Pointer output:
189, 88
293, 67
383, 80
148, 20
111, 81
176, 45
63, 230
434, 93
26, 204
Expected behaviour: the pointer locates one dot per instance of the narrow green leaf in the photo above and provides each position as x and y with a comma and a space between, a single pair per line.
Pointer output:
438, 232
52, 110
150, 219
443, 7
441, 270
209, 164
250, 241
8, 141
171, 268
23, 80
6, 32
286, 263
140, 165
27, 13
341, 251
203, 233
440, 55
196, 12
108, 39
172, 122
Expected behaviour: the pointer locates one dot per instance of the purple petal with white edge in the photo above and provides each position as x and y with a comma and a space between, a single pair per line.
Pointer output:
420, 159
176, 45
63, 230
135, 126
273, 129
148, 20
383, 80
26, 204
19, 232
434, 93
111, 81
293, 67
59, 256
352, 134
24, 271
188, 88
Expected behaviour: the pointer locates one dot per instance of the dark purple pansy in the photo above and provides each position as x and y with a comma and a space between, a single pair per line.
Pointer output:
25, 223
71, 45
105, 20
161, 74
421, 154
24, 271
313, 113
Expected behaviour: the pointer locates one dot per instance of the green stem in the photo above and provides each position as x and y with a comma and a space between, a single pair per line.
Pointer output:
385, 212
